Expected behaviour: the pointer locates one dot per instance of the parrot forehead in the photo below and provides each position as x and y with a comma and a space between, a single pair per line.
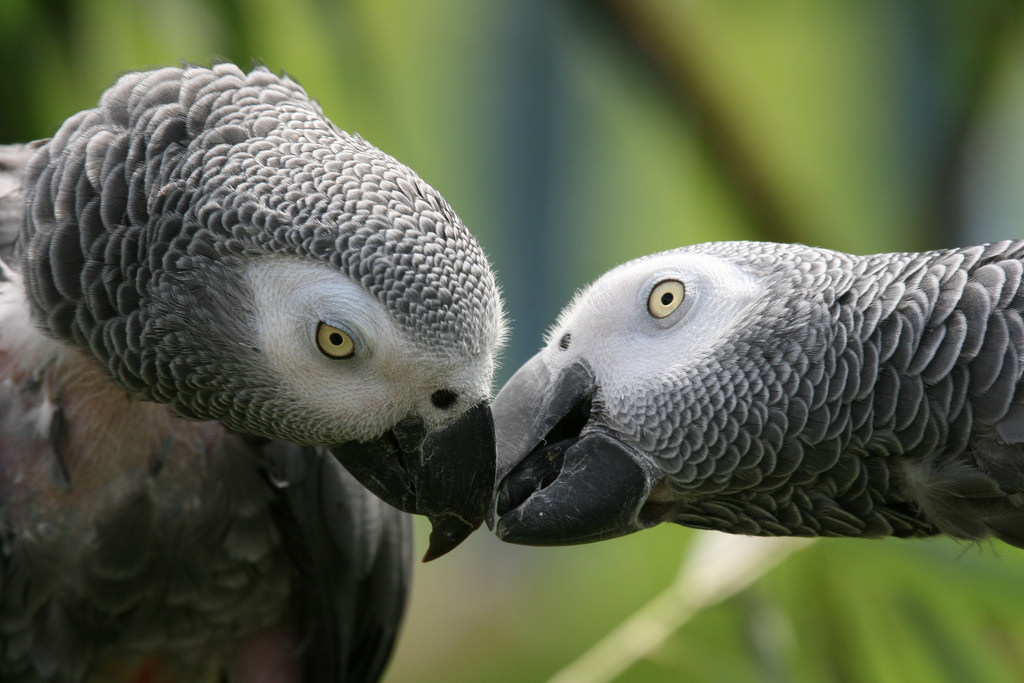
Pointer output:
296, 184
230, 164
195, 164
622, 293
612, 328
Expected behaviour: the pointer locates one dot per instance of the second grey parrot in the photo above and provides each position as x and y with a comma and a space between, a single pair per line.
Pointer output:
775, 389
213, 303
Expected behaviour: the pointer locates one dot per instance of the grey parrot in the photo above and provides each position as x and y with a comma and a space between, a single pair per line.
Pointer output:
226, 328
774, 390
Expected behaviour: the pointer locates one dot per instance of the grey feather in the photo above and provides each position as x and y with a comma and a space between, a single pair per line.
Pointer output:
928, 329
155, 520
853, 396
195, 169
187, 575
13, 159
354, 586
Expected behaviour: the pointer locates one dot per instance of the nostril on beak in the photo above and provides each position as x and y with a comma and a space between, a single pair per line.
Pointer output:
443, 398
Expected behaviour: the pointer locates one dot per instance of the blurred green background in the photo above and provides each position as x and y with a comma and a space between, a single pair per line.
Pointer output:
572, 136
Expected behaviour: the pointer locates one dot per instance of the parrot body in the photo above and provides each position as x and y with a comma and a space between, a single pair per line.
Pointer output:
775, 389
179, 556
229, 332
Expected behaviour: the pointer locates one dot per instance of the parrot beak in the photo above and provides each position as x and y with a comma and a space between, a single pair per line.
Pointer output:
447, 475
562, 479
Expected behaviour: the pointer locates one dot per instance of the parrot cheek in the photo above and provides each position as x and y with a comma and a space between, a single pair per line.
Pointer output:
446, 475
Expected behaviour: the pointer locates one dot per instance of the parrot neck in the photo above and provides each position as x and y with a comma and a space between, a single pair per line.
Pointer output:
100, 489
84, 439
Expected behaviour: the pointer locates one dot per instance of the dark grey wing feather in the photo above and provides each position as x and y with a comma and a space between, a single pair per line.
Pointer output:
944, 340
13, 159
963, 461
354, 557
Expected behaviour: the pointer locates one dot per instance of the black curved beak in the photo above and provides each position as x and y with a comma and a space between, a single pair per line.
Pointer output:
563, 479
447, 475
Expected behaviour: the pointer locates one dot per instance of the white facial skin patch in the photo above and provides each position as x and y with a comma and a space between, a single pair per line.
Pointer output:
385, 377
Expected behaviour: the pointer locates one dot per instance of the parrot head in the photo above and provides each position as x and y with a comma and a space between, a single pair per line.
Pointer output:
589, 427
213, 241
774, 390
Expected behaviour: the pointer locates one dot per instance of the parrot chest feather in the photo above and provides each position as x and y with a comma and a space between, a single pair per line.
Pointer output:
130, 536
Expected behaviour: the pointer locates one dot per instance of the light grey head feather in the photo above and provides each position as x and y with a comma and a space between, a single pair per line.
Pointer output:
142, 213
806, 392
854, 387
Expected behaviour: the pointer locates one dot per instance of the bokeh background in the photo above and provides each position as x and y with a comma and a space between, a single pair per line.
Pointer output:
574, 135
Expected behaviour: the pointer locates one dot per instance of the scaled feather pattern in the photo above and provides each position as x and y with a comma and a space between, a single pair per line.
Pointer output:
183, 170
794, 391
191, 489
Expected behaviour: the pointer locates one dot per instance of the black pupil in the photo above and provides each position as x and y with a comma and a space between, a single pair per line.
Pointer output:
667, 298
336, 338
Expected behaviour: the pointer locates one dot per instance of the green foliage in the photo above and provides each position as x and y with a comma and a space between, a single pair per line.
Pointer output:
572, 136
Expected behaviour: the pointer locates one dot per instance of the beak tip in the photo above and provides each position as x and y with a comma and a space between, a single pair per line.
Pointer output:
446, 475
447, 533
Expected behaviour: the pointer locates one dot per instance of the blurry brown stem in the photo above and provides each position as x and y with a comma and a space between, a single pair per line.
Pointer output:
678, 75
664, 56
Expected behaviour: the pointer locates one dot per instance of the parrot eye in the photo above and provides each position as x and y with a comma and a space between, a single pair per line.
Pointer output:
665, 298
334, 343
